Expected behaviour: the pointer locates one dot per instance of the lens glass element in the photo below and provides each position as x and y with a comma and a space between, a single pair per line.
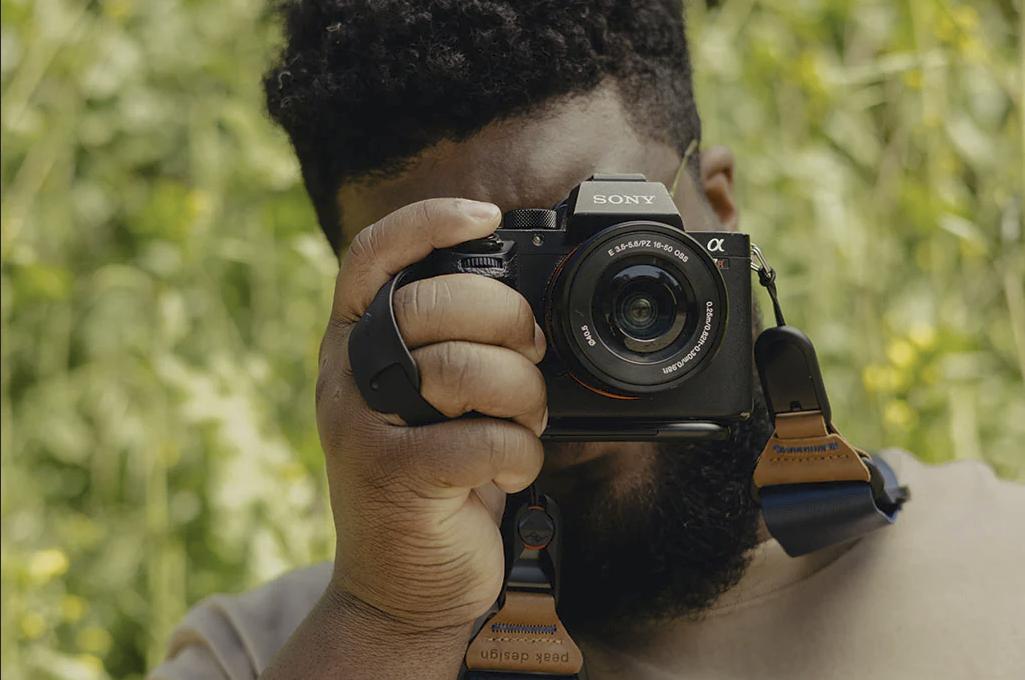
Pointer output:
643, 305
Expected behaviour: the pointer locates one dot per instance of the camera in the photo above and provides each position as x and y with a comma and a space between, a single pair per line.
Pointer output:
648, 325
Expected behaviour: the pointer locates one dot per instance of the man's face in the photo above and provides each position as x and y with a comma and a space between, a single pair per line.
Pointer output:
650, 529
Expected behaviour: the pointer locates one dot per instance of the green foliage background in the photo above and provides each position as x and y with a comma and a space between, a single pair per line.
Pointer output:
164, 284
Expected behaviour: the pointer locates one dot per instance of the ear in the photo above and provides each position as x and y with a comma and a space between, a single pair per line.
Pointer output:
717, 182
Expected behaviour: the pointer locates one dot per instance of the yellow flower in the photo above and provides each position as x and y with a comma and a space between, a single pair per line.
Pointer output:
73, 608
901, 353
93, 639
913, 78
199, 204
877, 378
923, 336
44, 565
898, 414
32, 625
809, 72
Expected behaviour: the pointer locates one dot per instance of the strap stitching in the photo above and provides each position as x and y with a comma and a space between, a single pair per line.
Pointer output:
799, 459
502, 627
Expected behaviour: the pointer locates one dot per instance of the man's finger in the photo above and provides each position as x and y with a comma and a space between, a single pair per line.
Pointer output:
402, 238
467, 307
471, 452
493, 498
459, 377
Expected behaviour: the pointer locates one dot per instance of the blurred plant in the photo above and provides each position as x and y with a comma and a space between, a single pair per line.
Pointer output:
164, 285
164, 291
880, 165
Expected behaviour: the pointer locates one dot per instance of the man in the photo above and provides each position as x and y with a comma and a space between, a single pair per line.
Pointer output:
394, 107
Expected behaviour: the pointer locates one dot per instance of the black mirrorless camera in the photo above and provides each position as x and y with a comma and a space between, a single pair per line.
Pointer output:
649, 326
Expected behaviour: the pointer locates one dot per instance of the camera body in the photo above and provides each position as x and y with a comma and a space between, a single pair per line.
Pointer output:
649, 326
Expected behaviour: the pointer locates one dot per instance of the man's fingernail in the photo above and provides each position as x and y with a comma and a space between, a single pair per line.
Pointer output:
539, 340
544, 421
485, 212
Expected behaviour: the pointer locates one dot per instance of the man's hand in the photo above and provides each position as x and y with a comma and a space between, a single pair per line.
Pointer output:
416, 509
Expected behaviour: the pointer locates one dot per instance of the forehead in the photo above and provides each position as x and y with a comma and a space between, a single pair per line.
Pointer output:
527, 161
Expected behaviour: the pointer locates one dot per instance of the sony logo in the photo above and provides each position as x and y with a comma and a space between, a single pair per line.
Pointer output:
623, 199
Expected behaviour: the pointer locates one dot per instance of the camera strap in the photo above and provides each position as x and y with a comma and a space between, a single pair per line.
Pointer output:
525, 639
815, 489
382, 366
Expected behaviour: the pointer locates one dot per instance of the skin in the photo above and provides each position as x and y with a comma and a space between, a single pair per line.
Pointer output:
533, 161
416, 508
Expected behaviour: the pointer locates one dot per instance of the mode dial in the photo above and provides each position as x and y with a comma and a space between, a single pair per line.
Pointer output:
530, 218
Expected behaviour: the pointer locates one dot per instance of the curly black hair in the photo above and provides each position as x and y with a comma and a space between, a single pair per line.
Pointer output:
363, 85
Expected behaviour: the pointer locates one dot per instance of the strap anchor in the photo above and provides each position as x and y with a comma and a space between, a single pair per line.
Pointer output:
526, 635
815, 488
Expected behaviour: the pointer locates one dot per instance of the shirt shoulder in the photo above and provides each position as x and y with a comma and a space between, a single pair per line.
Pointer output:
936, 595
961, 531
962, 499
948, 571
234, 637
937, 590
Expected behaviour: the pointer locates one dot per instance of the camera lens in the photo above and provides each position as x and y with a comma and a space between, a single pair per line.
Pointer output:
637, 309
639, 312
644, 306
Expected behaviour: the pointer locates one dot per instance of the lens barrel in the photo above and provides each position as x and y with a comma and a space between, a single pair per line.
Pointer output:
638, 308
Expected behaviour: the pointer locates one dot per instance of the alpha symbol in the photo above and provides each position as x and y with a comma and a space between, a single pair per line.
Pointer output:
715, 245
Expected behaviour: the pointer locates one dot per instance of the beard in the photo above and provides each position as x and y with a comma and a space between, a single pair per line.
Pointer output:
660, 538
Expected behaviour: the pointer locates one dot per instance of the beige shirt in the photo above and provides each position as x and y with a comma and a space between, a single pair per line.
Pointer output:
939, 595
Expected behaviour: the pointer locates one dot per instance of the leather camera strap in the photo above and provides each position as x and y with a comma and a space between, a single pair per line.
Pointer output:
525, 639
525, 635
817, 490
814, 487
